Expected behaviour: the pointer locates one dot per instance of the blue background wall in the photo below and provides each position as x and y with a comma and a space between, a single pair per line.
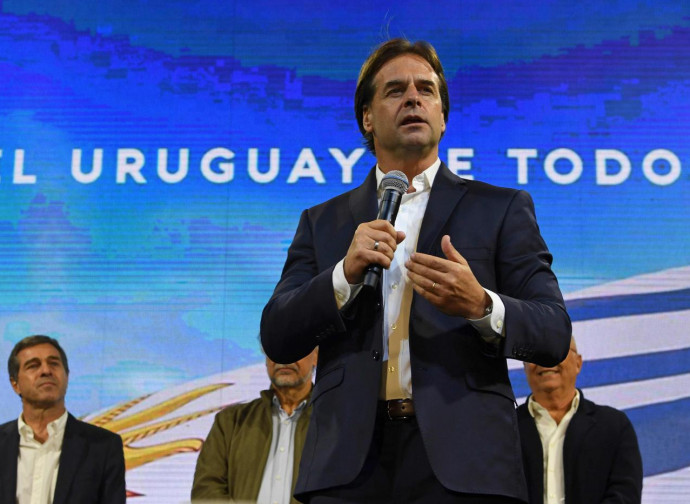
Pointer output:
153, 273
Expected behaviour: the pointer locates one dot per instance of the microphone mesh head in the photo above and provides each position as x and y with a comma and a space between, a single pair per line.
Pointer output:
395, 180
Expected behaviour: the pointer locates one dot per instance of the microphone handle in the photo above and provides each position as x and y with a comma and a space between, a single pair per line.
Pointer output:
390, 204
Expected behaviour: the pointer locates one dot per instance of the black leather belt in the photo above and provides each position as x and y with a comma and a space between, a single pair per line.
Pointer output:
398, 409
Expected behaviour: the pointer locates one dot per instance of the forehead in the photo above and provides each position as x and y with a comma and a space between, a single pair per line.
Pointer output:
42, 351
404, 67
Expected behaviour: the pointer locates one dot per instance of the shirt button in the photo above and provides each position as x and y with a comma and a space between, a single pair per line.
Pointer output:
394, 326
499, 323
394, 286
391, 369
282, 448
277, 478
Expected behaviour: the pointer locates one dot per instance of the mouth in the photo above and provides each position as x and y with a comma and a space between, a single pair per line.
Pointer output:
547, 372
412, 120
285, 369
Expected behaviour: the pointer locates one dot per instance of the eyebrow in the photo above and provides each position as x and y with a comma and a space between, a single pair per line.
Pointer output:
398, 82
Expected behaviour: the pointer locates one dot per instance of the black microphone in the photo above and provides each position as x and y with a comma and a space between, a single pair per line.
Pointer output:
394, 185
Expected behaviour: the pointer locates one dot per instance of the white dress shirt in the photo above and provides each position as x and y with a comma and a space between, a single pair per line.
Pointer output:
409, 219
38, 463
552, 436
276, 484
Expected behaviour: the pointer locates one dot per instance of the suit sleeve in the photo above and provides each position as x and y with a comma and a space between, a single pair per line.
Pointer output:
624, 484
113, 489
302, 311
537, 326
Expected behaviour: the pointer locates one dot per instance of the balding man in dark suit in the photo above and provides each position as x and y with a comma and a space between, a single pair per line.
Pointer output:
576, 451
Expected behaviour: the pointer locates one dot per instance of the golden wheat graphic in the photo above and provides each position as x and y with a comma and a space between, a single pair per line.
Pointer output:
137, 426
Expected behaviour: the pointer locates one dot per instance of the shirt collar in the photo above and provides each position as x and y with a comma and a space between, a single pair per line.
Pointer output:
421, 182
537, 410
56, 428
299, 408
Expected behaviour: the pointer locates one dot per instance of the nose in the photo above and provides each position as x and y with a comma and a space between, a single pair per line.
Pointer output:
412, 97
46, 369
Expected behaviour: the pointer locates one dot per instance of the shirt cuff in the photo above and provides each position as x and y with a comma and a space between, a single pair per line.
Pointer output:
343, 291
491, 327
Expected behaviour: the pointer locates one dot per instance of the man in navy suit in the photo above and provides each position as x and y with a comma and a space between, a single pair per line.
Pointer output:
575, 451
47, 455
412, 401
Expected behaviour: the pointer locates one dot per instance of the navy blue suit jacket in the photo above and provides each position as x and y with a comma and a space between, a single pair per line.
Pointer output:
601, 457
463, 398
92, 465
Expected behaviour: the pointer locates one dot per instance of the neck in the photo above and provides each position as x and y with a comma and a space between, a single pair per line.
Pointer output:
291, 397
38, 419
557, 402
411, 164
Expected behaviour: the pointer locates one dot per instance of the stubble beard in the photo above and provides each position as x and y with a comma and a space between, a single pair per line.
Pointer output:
284, 382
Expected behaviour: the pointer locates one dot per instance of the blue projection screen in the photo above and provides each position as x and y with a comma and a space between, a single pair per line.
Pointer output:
155, 157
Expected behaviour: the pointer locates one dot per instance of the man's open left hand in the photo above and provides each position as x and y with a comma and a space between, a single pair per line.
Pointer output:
448, 284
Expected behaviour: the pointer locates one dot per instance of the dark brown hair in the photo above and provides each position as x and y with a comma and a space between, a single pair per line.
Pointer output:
380, 56
28, 342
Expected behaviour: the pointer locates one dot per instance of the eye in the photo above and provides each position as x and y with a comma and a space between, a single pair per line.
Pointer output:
396, 91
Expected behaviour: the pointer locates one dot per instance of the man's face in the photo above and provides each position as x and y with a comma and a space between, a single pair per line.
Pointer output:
562, 377
406, 112
42, 379
292, 375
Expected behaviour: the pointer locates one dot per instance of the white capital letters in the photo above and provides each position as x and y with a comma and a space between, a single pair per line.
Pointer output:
130, 162
346, 162
182, 170
227, 169
273, 166
522, 155
653, 176
603, 156
96, 166
18, 176
563, 178
306, 166
456, 164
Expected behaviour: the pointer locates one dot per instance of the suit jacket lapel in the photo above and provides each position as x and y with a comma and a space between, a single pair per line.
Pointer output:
73, 451
446, 192
9, 450
580, 424
363, 201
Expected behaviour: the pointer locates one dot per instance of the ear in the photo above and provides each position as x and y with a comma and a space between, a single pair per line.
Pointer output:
443, 125
15, 387
366, 119
579, 363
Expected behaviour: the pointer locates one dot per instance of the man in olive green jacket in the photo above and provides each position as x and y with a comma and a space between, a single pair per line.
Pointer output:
253, 450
